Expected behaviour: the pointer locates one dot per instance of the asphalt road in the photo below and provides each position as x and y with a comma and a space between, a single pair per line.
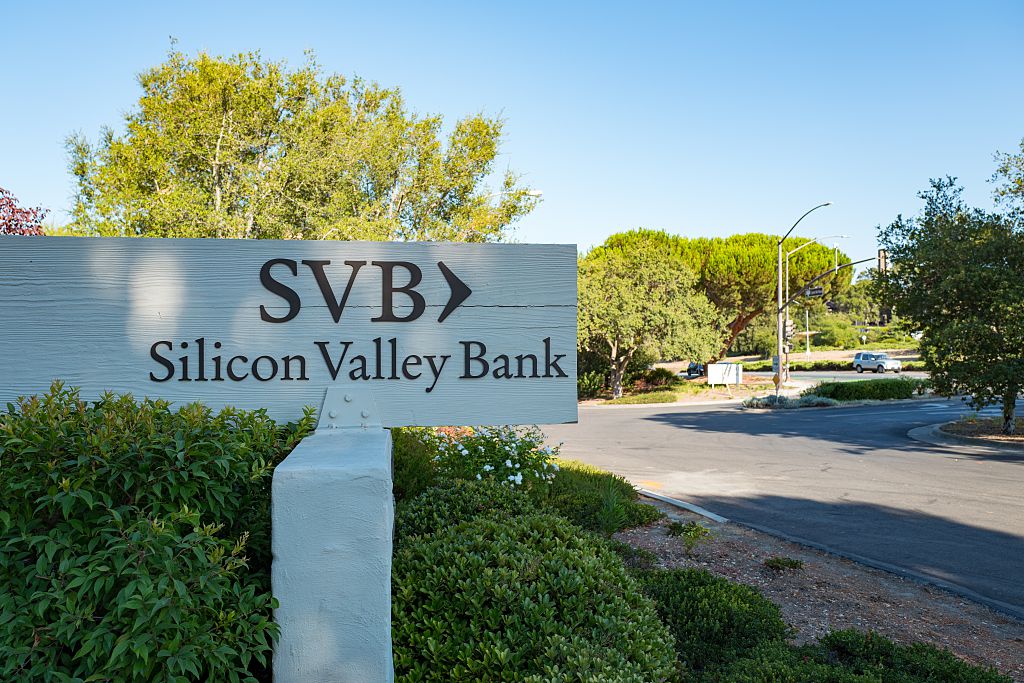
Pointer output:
846, 478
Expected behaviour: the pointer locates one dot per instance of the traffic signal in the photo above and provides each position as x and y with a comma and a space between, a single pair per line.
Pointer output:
789, 330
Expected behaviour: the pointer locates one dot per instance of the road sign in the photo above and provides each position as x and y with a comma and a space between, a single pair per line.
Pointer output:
438, 333
816, 291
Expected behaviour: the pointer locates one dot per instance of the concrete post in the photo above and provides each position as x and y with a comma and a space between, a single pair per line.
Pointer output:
333, 517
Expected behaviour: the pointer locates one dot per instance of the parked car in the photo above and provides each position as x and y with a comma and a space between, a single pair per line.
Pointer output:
876, 362
695, 370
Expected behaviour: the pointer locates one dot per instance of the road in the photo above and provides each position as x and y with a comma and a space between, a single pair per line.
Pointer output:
846, 478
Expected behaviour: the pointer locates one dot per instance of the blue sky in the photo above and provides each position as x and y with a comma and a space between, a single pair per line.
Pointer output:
696, 118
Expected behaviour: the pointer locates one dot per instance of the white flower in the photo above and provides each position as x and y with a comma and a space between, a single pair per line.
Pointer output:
554, 466
478, 476
508, 463
487, 468
511, 478
517, 466
519, 478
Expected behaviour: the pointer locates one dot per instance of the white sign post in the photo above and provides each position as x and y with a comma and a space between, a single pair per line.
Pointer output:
725, 373
376, 334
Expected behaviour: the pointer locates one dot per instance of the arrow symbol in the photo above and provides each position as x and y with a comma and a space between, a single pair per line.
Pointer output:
460, 291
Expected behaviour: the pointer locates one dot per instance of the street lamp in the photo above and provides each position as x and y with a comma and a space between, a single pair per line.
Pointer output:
778, 317
813, 240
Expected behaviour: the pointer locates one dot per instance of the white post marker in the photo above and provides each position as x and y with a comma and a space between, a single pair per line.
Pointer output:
376, 334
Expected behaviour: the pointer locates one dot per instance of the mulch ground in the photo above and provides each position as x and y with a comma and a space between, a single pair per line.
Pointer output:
986, 429
831, 592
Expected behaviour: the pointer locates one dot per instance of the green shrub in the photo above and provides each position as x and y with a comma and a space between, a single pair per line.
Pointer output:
648, 397
779, 564
136, 539
778, 663
659, 377
526, 599
578, 492
692, 534
712, 619
871, 389
516, 455
873, 654
413, 468
633, 558
590, 384
441, 507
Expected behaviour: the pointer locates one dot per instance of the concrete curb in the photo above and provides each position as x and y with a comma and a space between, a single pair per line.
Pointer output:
998, 605
696, 509
931, 434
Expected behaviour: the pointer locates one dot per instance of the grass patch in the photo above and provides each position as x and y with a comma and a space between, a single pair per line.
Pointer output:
649, 397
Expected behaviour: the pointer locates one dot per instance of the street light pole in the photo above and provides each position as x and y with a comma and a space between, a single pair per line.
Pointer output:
779, 310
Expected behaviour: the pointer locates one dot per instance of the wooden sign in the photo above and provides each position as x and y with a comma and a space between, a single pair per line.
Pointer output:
438, 333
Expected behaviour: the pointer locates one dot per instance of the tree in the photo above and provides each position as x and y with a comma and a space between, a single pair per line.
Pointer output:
1010, 176
738, 273
16, 220
957, 275
643, 299
242, 147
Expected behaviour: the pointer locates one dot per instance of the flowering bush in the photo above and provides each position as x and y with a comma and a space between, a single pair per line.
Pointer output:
514, 456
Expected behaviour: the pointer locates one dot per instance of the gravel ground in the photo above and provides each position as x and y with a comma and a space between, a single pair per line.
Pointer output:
831, 592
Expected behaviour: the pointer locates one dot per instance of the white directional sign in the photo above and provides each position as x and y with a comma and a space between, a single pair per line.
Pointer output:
438, 333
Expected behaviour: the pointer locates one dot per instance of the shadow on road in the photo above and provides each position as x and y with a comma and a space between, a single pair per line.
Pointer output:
845, 429
983, 561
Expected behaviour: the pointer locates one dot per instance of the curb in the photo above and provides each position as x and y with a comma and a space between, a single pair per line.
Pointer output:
997, 605
696, 509
933, 435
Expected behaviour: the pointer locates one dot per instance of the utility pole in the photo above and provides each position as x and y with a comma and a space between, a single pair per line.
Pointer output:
781, 374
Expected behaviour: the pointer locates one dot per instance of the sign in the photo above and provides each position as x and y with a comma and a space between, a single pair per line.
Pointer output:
438, 333
815, 291
725, 373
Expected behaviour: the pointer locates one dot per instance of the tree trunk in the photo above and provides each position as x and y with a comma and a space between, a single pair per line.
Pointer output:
1009, 408
735, 327
618, 372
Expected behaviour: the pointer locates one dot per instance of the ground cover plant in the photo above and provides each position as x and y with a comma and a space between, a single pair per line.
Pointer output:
136, 540
819, 365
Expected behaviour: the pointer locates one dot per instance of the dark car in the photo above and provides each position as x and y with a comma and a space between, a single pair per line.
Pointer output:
695, 370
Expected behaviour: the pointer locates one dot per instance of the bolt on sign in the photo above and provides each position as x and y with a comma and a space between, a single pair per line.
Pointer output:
438, 333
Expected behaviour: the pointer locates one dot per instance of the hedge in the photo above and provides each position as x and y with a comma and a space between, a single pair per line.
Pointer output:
525, 599
870, 389
136, 539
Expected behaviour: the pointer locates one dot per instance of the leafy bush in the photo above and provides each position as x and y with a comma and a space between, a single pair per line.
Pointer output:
712, 619
692, 534
579, 491
659, 377
136, 539
853, 657
779, 564
515, 455
527, 599
871, 653
649, 397
413, 468
590, 384
871, 389
441, 507
837, 333
633, 558
779, 663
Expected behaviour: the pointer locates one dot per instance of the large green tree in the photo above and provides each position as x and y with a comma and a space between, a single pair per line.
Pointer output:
640, 299
244, 147
738, 273
957, 275
1009, 176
